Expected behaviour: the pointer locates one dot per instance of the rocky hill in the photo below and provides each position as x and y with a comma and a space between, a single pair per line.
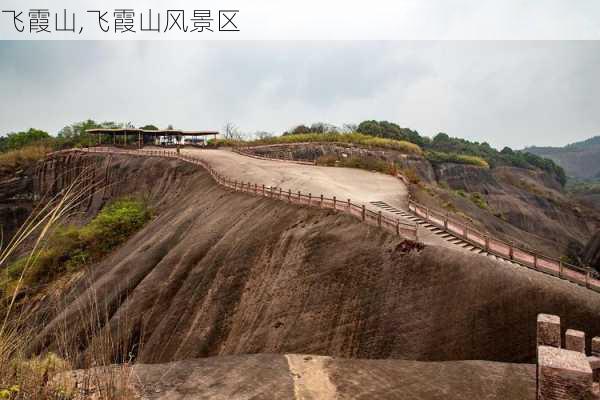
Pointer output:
580, 160
591, 252
528, 206
221, 273
331, 304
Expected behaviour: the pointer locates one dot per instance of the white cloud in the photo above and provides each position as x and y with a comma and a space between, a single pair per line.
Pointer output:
506, 93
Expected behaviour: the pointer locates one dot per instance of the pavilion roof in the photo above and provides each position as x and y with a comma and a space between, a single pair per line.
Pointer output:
162, 132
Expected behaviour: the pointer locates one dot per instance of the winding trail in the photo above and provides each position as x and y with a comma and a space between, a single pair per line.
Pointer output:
363, 187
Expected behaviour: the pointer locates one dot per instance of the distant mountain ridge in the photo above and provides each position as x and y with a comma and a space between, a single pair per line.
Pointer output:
581, 160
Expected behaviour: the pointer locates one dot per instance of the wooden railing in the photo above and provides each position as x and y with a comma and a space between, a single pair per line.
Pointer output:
508, 251
360, 211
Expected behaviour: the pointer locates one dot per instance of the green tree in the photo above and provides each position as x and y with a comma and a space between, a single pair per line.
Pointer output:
149, 127
17, 140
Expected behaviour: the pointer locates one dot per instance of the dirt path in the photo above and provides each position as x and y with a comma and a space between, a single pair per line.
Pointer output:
359, 185
311, 379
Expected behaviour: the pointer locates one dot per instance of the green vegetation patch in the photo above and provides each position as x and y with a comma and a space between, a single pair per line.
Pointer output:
70, 247
478, 199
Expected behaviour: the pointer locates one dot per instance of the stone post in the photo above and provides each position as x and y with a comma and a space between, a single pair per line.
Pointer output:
596, 346
364, 212
548, 330
562, 374
575, 340
595, 366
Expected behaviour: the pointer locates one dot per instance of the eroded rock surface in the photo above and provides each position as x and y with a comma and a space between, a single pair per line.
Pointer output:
222, 273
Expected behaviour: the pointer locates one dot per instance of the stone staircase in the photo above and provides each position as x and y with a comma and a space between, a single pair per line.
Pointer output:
440, 233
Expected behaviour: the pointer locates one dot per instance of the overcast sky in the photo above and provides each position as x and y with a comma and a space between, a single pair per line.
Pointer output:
512, 93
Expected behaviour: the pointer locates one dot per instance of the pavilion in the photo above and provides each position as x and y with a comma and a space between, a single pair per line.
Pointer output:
144, 136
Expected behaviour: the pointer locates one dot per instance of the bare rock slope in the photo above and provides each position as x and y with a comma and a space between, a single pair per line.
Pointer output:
306, 377
221, 273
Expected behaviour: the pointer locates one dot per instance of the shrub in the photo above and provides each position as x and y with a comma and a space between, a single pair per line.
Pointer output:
70, 248
478, 200
18, 140
114, 224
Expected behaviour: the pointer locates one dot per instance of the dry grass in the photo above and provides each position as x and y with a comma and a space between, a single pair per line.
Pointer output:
15, 159
440, 157
350, 138
354, 138
46, 376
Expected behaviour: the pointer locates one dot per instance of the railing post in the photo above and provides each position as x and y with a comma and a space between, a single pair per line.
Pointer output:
364, 213
280, 189
256, 188
379, 219
309, 199
535, 261
398, 227
321, 202
290, 195
235, 185
560, 268
587, 279
511, 251
263, 190
334, 201
349, 205
299, 199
